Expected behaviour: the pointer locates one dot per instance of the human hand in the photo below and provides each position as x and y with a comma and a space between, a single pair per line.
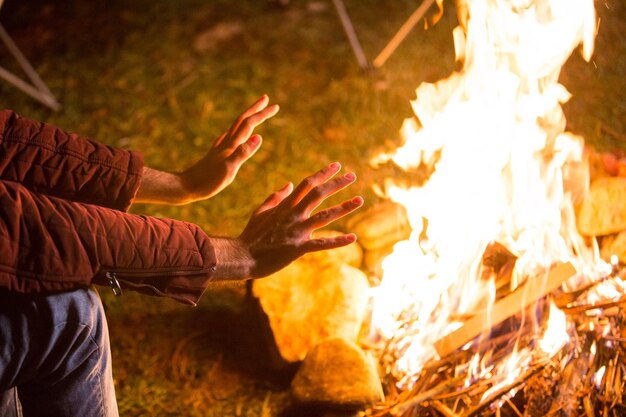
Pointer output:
217, 169
279, 231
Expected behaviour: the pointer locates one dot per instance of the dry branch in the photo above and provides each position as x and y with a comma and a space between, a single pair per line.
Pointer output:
577, 309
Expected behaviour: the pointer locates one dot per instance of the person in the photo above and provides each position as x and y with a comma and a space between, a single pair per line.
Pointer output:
64, 226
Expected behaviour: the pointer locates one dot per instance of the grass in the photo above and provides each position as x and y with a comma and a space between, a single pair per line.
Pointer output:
127, 74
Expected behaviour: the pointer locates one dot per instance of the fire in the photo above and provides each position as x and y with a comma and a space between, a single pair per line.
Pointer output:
503, 171
556, 334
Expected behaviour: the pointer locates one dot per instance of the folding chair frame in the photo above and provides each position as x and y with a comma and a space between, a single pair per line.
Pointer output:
38, 89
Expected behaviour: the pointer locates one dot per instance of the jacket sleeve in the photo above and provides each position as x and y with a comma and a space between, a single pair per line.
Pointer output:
50, 244
50, 161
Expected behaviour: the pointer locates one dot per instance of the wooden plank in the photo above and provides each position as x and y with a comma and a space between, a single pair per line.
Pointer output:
525, 295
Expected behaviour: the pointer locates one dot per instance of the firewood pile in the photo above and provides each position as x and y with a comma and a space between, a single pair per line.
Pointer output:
583, 379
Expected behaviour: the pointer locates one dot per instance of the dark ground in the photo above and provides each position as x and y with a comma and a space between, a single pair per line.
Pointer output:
128, 74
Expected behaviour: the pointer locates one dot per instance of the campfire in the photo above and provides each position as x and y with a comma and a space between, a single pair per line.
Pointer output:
496, 304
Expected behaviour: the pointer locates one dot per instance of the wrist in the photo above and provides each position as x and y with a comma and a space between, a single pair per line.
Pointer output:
234, 261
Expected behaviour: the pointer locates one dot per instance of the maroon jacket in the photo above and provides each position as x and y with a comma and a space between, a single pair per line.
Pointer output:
63, 223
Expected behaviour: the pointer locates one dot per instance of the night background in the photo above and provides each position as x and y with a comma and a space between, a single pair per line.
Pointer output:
167, 77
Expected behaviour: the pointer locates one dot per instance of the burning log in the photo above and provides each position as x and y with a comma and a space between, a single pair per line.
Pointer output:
530, 292
499, 264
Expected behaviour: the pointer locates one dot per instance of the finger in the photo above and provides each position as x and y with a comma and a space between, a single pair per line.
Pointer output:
219, 140
313, 181
275, 199
320, 193
315, 245
245, 151
241, 134
258, 105
329, 215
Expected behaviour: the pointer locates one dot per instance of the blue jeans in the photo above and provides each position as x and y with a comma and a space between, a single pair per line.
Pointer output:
55, 357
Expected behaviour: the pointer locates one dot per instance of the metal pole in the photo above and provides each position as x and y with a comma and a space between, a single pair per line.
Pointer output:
349, 29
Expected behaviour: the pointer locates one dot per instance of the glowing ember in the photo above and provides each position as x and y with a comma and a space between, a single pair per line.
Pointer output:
494, 134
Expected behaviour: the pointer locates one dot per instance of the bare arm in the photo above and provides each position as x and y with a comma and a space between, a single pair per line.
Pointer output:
216, 170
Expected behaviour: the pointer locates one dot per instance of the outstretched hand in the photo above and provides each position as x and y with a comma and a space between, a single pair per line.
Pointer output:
216, 170
279, 231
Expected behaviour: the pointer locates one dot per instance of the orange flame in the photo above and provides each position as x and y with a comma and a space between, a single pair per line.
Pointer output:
494, 133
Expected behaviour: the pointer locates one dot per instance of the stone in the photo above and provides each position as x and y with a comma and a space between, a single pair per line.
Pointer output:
614, 245
373, 260
337, 374
381, 225
603, 211
307, 303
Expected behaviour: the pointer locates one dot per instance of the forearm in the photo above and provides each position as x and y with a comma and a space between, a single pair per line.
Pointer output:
194, 184
161, 187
